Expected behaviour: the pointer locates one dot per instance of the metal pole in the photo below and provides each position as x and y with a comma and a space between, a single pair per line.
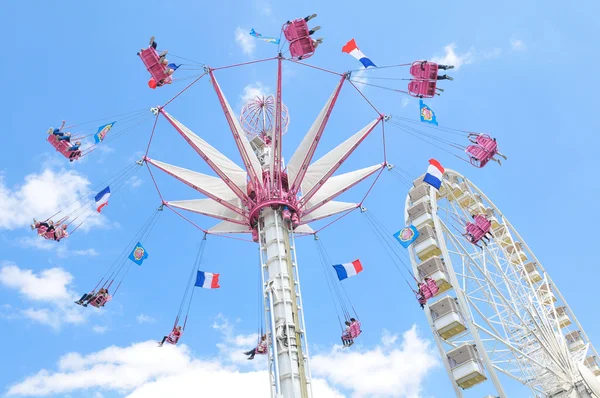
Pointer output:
284, 314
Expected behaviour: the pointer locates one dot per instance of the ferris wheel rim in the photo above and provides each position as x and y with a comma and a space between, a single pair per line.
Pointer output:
433, 200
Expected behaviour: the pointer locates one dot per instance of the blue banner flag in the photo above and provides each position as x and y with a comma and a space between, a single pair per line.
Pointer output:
427, 115
139, 254
268, 39
406, 236
102, 131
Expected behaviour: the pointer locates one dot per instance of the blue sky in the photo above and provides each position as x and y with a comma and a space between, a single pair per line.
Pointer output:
520, 80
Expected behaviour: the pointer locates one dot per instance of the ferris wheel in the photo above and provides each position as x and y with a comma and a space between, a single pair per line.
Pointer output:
497, 316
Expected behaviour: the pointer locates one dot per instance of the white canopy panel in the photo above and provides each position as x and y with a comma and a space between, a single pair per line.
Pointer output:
208, 185
227, 227
208, 207
336, 185
328, 209
234, 172
330, 162
304, 229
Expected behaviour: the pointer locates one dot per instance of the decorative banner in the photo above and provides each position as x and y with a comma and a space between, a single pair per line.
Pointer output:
406, 236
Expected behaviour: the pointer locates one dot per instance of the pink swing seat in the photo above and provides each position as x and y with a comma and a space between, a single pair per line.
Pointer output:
422, 88
302, 48
483, 223
296, 29
172, 338
261, 349
478, 156
355, 330
63, 147
433, 287
427, 293
150, 58
424, 70
487, 143
100, 301
474, 233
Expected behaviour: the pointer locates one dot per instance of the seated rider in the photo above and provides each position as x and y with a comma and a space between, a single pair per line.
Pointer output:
58, 131
347, 336
74, 151
61, 233
173, 336
89, 297
63, 137
49, 224
261, 348
421, 296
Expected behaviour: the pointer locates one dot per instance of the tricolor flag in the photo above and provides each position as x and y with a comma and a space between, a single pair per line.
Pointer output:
406, 236
102, 131
102, 199
349, 269
352, 49
427, 114
435, 171
207, 280
138, 254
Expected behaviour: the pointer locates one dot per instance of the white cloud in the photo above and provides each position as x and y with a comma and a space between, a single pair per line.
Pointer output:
86, 253
142, 318
100, 329
246, 42
43, 194
252, 91
49, 290
404, 103
450, 57
145, 371
61, 248
517, 45
135, 182
50, 284
385, 371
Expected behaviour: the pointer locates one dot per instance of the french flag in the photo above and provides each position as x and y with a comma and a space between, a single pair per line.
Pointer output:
349, 269
352, 49
102, 199
207, 280
435, 171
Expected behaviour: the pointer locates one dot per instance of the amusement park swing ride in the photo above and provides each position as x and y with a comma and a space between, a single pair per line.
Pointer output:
494, 312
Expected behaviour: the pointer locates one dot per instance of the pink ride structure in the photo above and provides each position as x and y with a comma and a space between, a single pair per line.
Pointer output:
273, 201
301, 44
484, 150
158, 71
